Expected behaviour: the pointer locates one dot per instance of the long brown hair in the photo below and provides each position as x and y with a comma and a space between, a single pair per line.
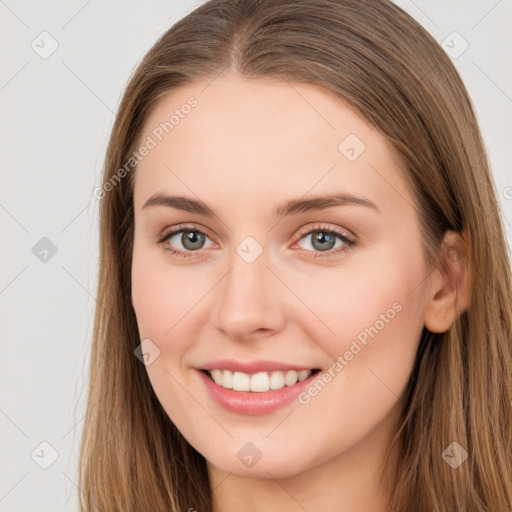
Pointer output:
374, 56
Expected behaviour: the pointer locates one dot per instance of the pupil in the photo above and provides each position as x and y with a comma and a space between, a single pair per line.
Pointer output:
322, 237
192, 240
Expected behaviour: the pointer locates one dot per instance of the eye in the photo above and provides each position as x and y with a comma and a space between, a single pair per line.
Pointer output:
190, 238
324, 240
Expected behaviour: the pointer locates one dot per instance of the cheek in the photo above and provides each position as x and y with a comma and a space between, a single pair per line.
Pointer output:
153, 304
376, 312
379, 296
170, 312
161, 310
365, 308
162, 296
378, 328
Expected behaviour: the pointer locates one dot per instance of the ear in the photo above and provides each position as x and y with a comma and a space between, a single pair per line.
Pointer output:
450, 284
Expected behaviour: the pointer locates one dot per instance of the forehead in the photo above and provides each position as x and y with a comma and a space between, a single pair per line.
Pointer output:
243, 135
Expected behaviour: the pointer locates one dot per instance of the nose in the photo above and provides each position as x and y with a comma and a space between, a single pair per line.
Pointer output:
250, 305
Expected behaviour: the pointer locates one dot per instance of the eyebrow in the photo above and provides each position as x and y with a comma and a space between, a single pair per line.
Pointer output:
286, 209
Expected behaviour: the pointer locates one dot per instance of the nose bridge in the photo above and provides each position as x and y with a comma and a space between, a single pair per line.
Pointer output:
248, 301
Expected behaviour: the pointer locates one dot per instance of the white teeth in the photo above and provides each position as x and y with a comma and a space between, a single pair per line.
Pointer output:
276, 380
217, 376
258, 382
291, 377
304, 374
241, 382
227, 379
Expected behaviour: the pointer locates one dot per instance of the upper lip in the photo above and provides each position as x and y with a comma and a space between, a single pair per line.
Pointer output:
252, 366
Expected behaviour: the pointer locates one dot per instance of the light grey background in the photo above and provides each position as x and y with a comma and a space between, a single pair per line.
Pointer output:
57, 113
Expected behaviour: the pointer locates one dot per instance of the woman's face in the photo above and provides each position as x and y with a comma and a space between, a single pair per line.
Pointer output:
246, 296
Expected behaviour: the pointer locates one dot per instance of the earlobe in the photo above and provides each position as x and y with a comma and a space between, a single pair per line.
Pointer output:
449, 292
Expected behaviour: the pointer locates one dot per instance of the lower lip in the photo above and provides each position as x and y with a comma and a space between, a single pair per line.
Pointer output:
253, 403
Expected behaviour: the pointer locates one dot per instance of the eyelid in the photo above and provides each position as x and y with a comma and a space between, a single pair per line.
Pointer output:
325, 227
168, 232
349, 240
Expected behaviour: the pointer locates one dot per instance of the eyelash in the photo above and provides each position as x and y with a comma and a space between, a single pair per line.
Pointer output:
349, 242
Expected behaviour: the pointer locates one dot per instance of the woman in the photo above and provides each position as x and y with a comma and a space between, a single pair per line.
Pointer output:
304, 289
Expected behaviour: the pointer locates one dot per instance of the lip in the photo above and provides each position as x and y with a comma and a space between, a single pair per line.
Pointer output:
252, 366
253, 403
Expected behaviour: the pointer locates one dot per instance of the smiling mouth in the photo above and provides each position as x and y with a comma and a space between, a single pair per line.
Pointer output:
259, 382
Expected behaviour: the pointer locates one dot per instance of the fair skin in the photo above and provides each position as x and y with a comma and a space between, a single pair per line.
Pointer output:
248, 146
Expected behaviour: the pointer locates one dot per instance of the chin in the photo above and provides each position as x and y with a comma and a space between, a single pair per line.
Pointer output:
276, 463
